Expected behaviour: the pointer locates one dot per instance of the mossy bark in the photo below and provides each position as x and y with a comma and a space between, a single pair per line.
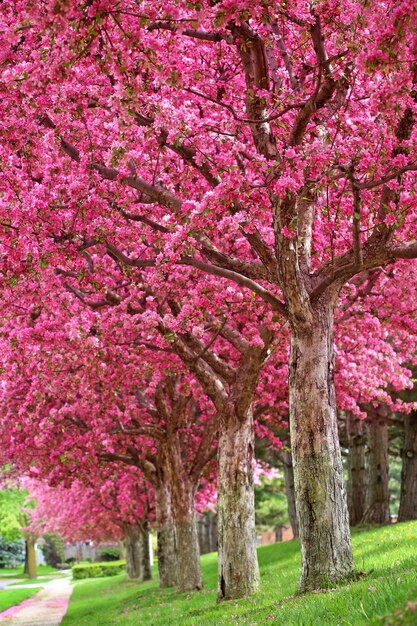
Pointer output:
318, 473
377, 497
167, 548
138, 564
176, 519
356, 486
238, 564
188, 549
408, 500
189, 569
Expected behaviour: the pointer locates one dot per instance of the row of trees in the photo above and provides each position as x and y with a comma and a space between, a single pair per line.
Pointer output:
190, 193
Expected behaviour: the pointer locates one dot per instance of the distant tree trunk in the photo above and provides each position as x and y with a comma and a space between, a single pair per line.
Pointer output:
318, 471
238, 563
377, 498
138, 565
207, 532
290, 492
167, 548
356, 486
31, 556
408, 500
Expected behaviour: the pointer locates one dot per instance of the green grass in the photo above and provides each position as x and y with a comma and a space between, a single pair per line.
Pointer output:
387, 555
10, 597
17, 572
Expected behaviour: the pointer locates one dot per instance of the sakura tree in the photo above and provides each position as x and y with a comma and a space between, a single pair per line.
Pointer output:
271, 146
118, 507
105, 400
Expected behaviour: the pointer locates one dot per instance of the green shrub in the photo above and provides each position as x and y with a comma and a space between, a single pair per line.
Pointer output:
109, 554
98, 570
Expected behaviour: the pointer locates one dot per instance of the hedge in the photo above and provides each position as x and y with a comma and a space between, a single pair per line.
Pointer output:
98, 570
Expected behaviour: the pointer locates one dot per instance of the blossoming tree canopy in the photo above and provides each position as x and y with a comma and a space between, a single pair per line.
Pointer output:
114, 505
271, 146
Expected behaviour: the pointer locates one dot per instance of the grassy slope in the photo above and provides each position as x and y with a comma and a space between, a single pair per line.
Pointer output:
388, 555
10, 597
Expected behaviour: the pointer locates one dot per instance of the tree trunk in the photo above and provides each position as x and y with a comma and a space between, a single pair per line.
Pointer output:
175, 472
356, 469
177, 523
408, 500
318, 472
377, 500
188, 549
238, 563
31, 557
167, 547
138, 566
290, 493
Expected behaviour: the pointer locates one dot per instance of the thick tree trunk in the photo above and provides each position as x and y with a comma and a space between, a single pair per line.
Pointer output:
176, 519
31, 557
408, 501
188, 549
356, 486
318, 472
290, 493
167, 547
138, 565
377, 500
238, 563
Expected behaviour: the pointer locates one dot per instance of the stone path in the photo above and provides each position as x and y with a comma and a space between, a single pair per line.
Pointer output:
46, 608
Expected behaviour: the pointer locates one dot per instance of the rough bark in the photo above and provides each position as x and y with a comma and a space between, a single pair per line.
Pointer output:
177, 521
31, 557
138, 565
175, 473
408, 499
167, 549
377, 497
356, 486
318, 472
290, 492
188, 549
238, 564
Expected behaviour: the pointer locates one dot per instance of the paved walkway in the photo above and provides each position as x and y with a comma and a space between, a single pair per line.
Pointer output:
46, 608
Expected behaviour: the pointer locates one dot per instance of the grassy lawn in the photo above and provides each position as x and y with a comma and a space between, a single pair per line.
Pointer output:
17, 572
10, 597
387, 594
